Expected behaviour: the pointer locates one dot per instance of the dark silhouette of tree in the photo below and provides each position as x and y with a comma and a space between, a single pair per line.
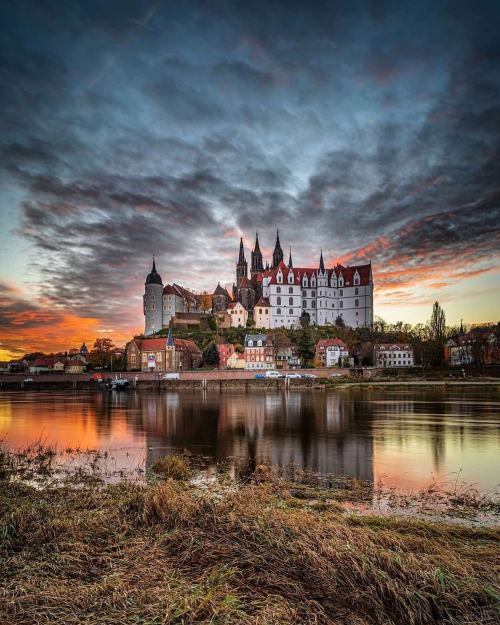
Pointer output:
211, 355
339, 322
437, 323
305, 320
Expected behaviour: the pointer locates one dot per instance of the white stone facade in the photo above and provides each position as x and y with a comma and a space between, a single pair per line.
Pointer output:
393, 355
324, 294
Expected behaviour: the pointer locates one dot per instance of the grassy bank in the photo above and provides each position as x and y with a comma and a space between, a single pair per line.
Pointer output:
262, 552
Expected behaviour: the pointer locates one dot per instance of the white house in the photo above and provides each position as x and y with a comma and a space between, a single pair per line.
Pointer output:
393, 355
238, 314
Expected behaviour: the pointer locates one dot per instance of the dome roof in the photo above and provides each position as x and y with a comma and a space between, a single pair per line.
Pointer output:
153, 277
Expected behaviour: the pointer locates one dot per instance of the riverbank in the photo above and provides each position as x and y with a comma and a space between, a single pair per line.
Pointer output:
242, 380
262, 551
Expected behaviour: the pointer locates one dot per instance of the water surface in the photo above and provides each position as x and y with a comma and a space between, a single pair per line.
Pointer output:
401, 437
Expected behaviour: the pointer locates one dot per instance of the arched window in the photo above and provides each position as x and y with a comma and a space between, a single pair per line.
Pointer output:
290, 301
250, 343
290, 289
278, 289
278, 301
259, 343
278, 311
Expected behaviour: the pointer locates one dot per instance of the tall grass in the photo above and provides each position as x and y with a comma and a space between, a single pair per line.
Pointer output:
254, 552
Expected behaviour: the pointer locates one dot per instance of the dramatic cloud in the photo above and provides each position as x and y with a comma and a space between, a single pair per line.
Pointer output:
371, 130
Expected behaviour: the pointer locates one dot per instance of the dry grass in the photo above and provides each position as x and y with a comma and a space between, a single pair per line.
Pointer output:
255, 553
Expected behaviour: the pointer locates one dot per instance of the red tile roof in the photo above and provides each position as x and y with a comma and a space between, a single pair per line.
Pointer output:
324, 343
263, 301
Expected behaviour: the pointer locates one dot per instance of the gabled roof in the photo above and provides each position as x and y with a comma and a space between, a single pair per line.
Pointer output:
392, 346
324, 343
245, 283
263, 301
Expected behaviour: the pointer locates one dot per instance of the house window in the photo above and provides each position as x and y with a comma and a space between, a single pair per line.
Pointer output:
260, 311
278, 300
250, 343
259, 343
290, 301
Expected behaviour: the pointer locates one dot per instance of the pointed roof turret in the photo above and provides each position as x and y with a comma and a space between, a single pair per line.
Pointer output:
170, 338
153, 276
321, 263
241, 258
290, 264
257, 247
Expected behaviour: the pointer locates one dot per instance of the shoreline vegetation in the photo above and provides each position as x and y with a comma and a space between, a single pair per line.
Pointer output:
256, 548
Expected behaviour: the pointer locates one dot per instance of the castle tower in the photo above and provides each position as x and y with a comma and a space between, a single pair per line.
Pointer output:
278, 252
257, 266
153, 302
241, 266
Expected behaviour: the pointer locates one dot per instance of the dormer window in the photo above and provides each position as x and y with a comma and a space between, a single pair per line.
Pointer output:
356, 278
290, 278
304, 281
279, 277
250, 343
341, 281
313, 282
259, 343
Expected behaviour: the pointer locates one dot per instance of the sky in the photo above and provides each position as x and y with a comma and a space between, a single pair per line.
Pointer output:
370, 130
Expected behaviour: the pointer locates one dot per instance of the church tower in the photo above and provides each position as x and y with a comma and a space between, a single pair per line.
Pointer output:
241, 267
153, 302
257, 266
278, 252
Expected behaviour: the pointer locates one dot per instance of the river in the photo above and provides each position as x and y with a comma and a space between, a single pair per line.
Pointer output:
402, 437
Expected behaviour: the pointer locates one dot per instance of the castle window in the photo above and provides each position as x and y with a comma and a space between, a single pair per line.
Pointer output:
304, 293
290, 301
304, 304
313, 304
356, 291
341, 293
278, 311
290, 289
313, 294
356, 302
278, 289
341, 281
290, 311
279, 277
278, 301
341, 304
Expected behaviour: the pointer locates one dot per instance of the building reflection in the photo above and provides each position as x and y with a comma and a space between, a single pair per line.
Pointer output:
314, 431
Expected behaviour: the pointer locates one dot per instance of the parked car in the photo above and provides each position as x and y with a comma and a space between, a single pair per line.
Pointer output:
336, 374
260, 376
309, 375
172, 376
273, 374
293, 376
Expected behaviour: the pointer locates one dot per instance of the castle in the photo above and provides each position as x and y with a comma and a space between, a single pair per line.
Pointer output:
275, 295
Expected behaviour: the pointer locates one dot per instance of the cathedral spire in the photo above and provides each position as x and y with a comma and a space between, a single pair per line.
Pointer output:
257, 247
290, 264
241, 258
321, 263
278, 252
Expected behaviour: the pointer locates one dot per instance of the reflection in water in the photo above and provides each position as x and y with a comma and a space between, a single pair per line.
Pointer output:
404, 437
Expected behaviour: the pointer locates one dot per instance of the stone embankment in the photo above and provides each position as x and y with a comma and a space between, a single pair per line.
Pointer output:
243, 380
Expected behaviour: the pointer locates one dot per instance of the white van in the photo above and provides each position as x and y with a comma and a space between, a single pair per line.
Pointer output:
273, 374
171, 376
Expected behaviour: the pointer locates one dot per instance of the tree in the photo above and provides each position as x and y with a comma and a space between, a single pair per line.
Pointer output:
101, 353
305, 345
437, 323
305, 320
211, 355
339, 322
205, 300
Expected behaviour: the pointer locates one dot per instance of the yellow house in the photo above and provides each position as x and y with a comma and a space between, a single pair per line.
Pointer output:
75, 366
262, 313
236, 361
238, 314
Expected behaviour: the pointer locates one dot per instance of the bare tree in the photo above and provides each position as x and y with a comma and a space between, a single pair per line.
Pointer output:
437, 323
